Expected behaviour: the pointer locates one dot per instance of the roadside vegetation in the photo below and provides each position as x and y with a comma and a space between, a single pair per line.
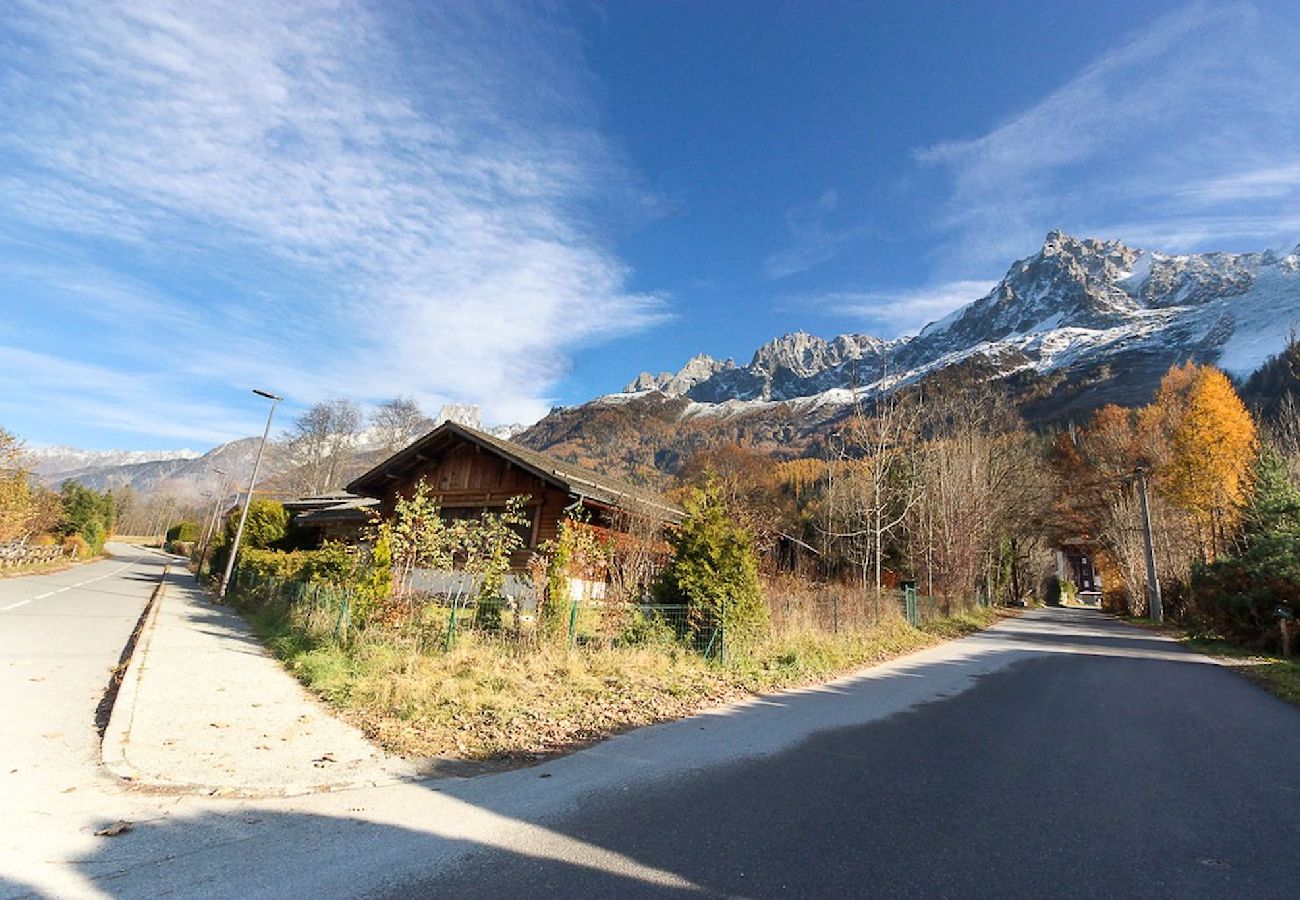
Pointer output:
491, 696
1277, 674
1224, 500
476, 669
786, 571
41, 529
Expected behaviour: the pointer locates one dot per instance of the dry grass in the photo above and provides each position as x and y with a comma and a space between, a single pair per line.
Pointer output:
1276, 674
492, 699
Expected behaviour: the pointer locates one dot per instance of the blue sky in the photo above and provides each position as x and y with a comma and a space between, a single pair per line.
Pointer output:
519, 205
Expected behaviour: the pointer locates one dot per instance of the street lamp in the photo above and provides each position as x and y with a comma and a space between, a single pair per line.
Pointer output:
248, 498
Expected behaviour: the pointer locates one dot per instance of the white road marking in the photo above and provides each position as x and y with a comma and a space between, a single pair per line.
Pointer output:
71, 586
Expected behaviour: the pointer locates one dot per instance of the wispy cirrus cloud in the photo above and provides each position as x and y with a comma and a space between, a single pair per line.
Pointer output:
813, 239
1194, 122
358, 200
892, 313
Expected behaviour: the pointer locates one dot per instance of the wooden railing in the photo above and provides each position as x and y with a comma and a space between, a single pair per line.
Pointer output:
18, 553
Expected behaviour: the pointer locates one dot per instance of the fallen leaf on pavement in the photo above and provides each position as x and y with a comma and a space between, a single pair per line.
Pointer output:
121, 826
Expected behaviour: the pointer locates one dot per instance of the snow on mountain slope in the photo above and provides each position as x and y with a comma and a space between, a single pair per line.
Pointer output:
50, 461
1077, 304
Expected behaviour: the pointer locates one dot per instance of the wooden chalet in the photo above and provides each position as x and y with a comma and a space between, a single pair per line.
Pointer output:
470, 472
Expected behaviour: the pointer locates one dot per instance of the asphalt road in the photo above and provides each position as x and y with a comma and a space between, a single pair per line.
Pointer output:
61, 635
1060, 754
1104, 763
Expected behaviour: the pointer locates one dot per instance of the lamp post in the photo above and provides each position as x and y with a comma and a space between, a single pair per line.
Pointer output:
248, 497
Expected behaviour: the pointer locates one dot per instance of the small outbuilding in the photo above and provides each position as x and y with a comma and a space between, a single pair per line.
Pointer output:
332, 517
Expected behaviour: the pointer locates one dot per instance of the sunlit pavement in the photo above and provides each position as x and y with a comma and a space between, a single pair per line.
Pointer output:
1059, 753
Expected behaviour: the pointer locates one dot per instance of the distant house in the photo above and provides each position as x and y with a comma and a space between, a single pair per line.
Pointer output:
331, 517
1076, 562
470, 471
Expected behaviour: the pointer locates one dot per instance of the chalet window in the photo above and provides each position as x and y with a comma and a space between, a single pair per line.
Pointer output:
525, 531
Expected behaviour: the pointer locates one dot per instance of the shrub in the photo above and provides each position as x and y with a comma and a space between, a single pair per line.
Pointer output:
366, 577
293, 566
266, 524
1236, 596
183, 531
714, 571
376, 582
94, 534
642, 630
75, 546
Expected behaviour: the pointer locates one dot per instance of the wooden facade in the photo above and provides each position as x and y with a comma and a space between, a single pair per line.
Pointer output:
470, 472
468, 478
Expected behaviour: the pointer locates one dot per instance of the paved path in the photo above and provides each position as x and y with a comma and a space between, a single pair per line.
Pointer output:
205, 708
1060, 753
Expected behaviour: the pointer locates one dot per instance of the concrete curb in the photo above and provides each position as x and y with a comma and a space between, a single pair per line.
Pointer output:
112, 748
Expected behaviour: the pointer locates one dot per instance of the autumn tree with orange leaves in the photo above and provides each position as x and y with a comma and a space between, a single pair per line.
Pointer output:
1199, 443
1212, 452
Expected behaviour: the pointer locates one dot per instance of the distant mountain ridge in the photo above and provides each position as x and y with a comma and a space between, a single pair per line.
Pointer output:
49, 461
187, 475
1080, 323
1075, 304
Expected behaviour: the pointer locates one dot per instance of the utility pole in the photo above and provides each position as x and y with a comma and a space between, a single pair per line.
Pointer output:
1156, 608
248, 497
212, 520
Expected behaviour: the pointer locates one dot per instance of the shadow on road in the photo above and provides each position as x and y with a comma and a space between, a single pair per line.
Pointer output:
1062, 745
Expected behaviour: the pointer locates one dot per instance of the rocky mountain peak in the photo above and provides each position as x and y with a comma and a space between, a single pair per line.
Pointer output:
698, 368
799, 351
1074, 302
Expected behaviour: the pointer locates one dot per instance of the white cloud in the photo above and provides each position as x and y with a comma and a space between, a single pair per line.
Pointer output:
813, 240
108, 399
898, 312
1194, 122
422, 191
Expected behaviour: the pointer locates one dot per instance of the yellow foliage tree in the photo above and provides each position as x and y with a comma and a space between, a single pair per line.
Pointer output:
17, 500
1211, 451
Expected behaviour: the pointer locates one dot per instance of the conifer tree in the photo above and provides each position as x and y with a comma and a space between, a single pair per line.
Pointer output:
714, 570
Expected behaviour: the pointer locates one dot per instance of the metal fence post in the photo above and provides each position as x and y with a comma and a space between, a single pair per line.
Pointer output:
451, 624
573, 622
722, 634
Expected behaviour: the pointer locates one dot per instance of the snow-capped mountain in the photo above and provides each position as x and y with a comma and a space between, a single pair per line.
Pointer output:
187, 475
53, 461
1076, 306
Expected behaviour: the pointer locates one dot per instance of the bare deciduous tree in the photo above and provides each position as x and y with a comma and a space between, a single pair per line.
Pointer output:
399, 422
871, 484
321, 443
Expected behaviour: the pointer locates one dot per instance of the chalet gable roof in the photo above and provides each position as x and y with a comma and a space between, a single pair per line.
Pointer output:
576, 480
